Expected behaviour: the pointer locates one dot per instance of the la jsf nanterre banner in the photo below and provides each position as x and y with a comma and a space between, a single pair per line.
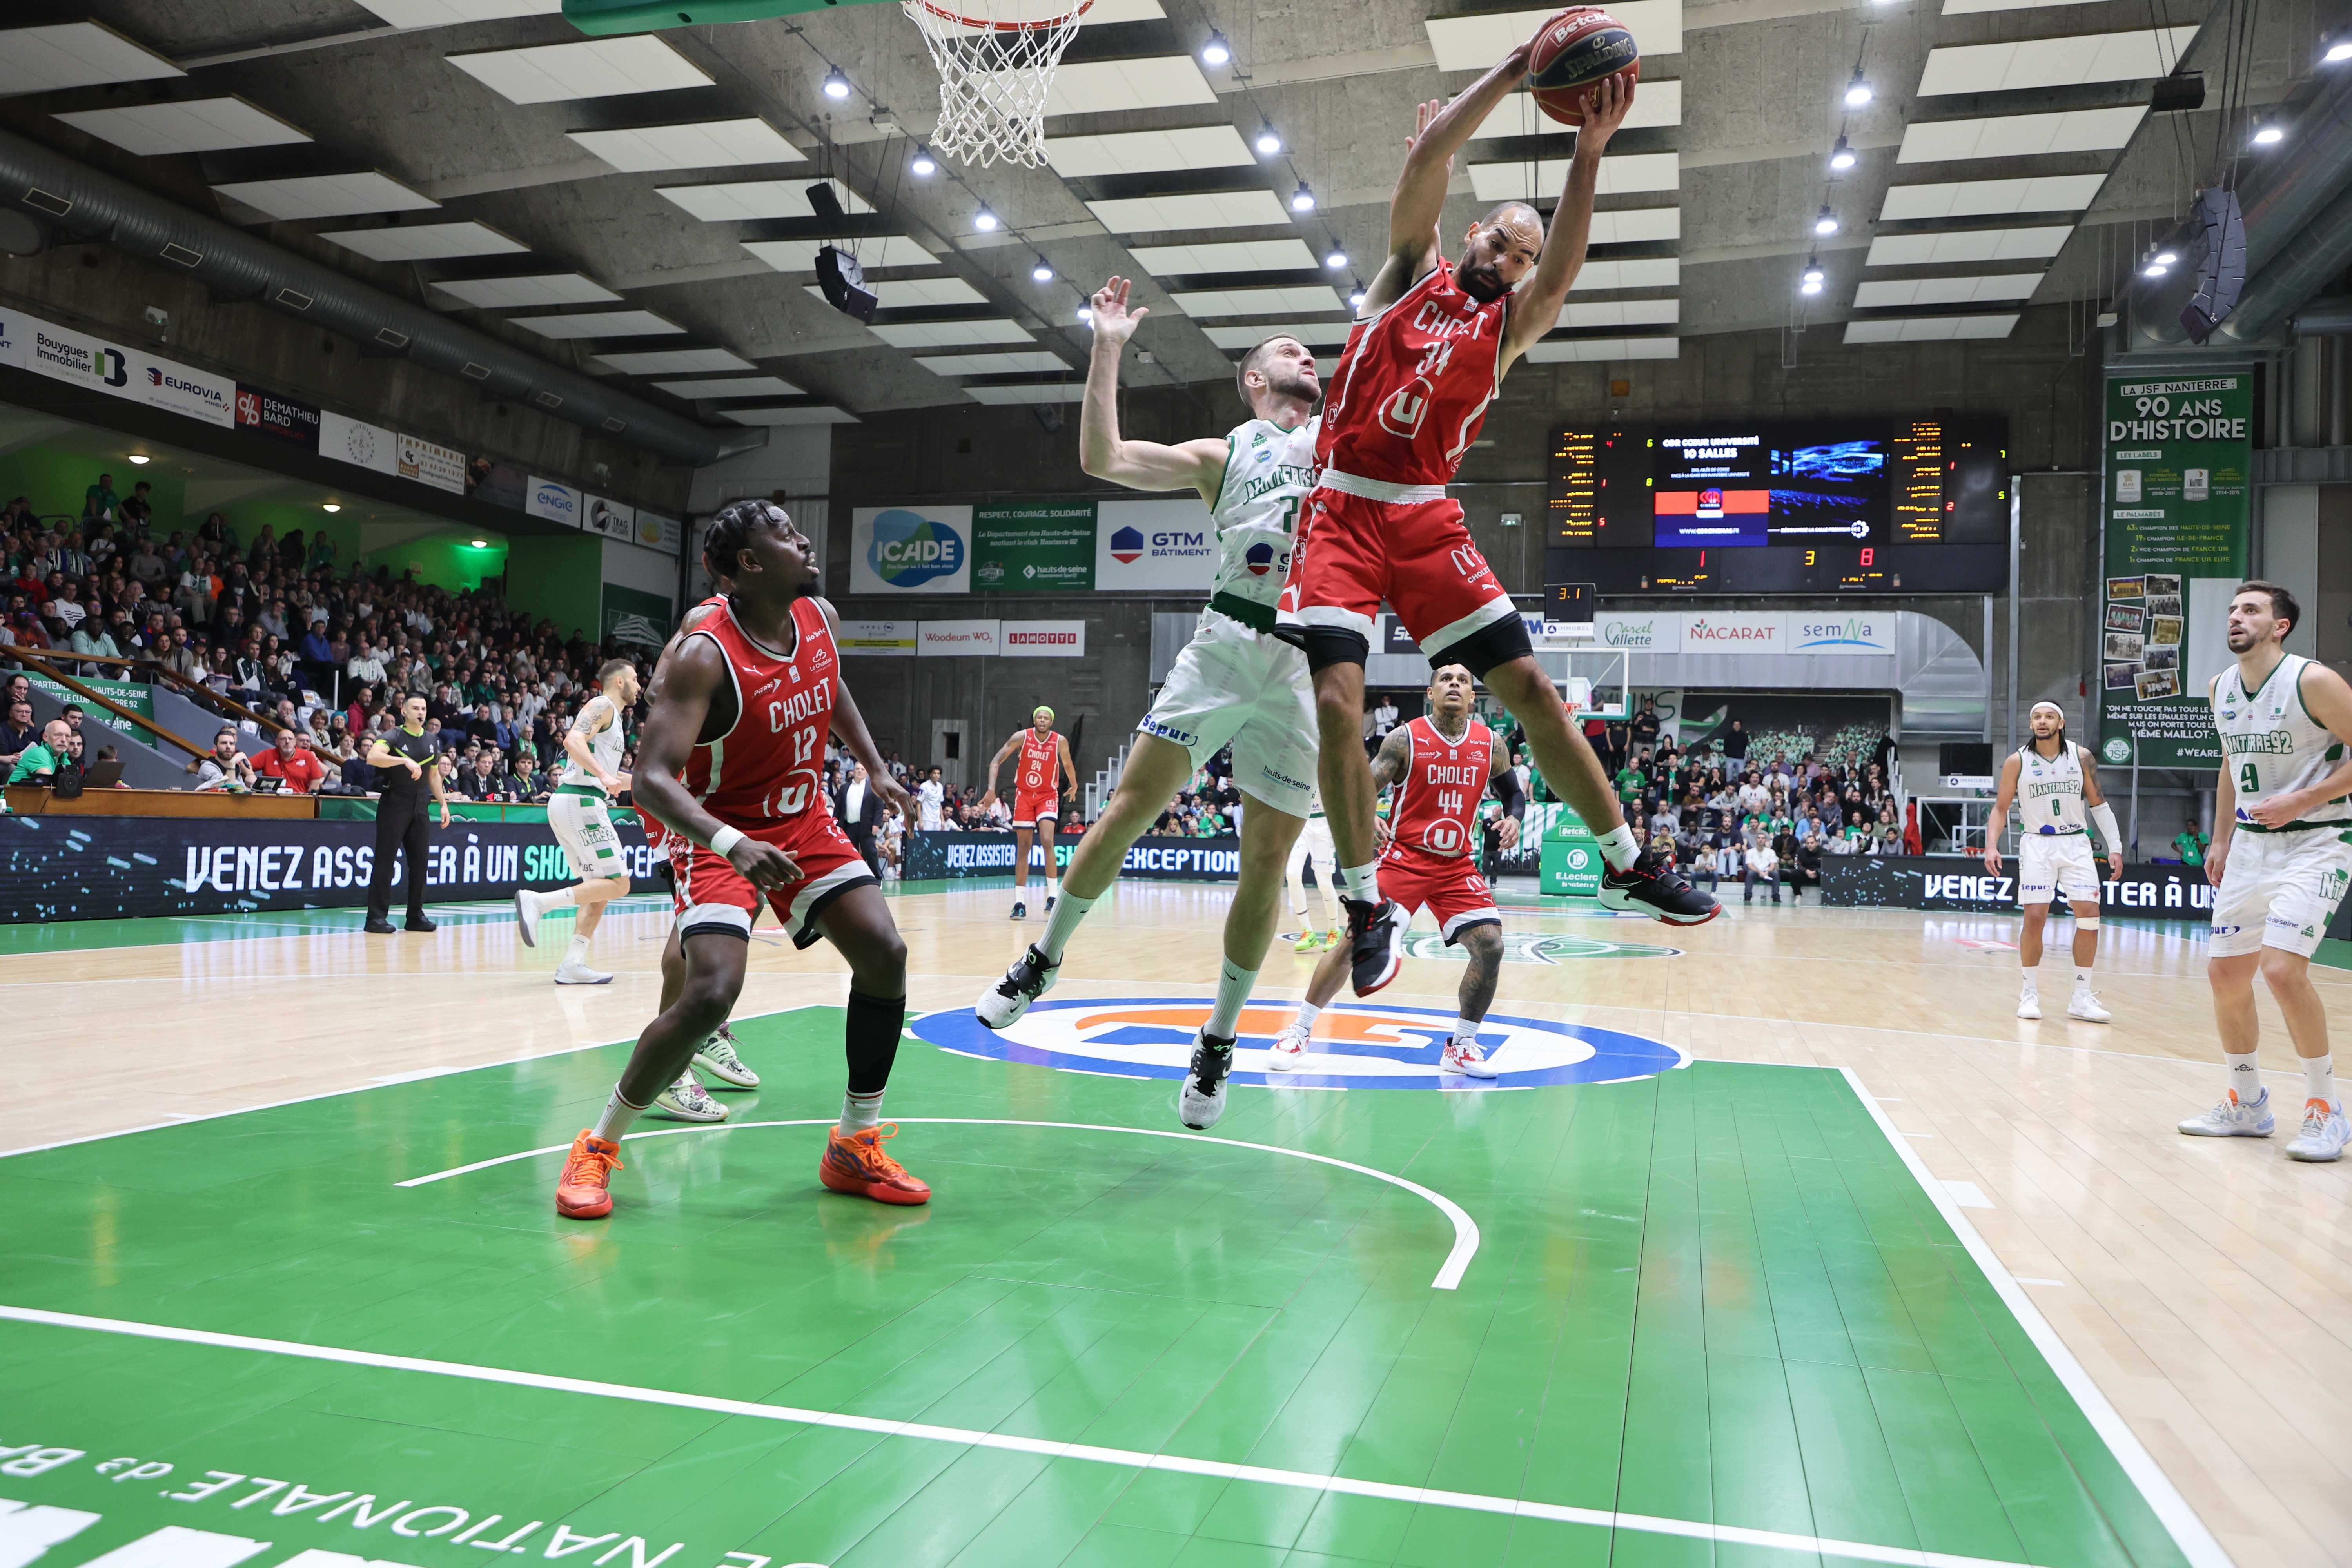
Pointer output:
106, 868
2178, 454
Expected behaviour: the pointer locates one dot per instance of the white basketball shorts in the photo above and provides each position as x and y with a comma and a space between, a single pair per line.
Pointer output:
2056, 865
583, 825
1234, 686
2279, 890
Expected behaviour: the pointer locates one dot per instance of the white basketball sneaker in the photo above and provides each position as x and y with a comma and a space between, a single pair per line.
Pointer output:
1001, 1006
1202, 1101
527, 915
2234, 1117
2029, 1003
2325, 1133
2085, 1005
1467, 1058
571, 974
716, 1055
1287, 1048
688, 1100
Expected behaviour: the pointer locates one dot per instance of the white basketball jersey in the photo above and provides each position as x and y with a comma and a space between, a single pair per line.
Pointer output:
2050, 791
604, 746
2272, 744
1268, 472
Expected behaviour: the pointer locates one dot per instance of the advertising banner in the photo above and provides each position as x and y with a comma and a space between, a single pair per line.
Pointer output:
1818, 633
951, 639
1033, 547
263, 412
876, 639
1737, 631
134, 695
358, 443
934, 857
609, 518
911, 550
1640, 631
498, 484
1156, 547
633, 616
1960, 882
108, 868
2178, 454
657, 532
1042, 640
556, 502
443, 467
118, 370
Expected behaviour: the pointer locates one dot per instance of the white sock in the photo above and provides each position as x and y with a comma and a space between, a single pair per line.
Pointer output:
2082, 977
1307, 1013
578, 951
618, 1114
1233, 984
2032, 979
2319, 1077
556, 900
1617, 847
1062, 924
1465, 1031
1361, 883
2245, 1078
1021, 892
860, 1111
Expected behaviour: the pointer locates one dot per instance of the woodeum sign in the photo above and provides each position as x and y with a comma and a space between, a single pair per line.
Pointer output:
950, 639
909, 549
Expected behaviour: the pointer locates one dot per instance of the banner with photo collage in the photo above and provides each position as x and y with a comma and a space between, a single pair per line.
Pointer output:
2179, 453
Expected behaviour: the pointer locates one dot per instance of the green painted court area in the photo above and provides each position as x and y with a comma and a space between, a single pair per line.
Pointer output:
1711, 1318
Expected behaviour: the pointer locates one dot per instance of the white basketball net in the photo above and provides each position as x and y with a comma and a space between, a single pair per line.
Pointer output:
997, 67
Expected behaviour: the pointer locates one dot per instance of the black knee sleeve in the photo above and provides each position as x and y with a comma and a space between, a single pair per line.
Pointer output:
870, 1036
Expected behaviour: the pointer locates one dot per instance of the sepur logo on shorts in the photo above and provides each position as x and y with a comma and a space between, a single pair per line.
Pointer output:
1152, 726
1357, 1045
909, 549
1127, 546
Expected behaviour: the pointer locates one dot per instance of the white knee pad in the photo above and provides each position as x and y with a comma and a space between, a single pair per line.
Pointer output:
2087, 922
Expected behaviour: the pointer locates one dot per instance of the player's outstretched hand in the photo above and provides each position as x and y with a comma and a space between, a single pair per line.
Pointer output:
1606, 103
1114, 322
1992, 859
893, 793
763, 865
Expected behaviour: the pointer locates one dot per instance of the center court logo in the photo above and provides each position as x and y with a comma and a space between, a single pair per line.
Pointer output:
1357, 1045
909, 549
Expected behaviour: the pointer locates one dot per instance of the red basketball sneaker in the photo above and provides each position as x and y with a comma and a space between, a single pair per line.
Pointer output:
581, 1191
857, 1164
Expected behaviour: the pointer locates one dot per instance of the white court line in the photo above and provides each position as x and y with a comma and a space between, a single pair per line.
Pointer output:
1449, 1277
2188, 1533
1602, 1518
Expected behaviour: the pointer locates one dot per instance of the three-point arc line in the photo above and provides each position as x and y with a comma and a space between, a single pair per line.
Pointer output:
1449, 1276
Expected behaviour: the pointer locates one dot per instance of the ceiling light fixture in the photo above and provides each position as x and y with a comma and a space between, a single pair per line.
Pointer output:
1336, 259
1812, 286
1813, 273
836, 84
479, 544
1268, 144
1356, 298
2338, 52
331, 505
1086, 313
139, 459
1857, 91
984, 221
1825, 221
2269, 135
2165, 257
1042, 272
1216, 51
925, 165
1302, 200
2156, 270
1841, 156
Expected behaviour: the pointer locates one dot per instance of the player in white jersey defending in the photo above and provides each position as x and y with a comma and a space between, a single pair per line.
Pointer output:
580, 813
1313, 849
2281, 859
1236, 682
2054, 781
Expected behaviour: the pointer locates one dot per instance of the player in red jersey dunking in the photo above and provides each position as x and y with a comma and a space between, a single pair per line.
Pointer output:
732, 760
1422, 361
1440, 766
1037, 784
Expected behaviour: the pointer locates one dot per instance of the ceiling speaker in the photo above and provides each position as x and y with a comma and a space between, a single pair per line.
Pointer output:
2214, 254
844, 283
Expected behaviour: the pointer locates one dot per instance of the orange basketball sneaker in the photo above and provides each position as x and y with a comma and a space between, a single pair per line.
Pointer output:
857, 1164
580, 1192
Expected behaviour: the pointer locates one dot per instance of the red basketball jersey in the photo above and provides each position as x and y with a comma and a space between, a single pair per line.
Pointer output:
770, 766
1040, 760
1413, 384
1436, 810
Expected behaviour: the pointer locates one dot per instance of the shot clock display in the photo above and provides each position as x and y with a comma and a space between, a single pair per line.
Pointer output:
1898, 505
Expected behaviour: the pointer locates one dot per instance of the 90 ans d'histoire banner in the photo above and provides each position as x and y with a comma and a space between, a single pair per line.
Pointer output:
2177, 474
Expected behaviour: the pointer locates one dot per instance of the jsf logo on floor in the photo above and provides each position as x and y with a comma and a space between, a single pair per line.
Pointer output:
1355, 1045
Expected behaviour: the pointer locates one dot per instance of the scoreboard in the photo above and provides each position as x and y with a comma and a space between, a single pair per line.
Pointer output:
1838, 506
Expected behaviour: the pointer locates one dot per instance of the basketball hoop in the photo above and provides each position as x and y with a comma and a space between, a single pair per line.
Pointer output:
997, 67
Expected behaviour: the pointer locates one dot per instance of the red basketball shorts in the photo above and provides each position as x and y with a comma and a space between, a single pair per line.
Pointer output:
1027, 807
713, 895
1448, 887
1354, 552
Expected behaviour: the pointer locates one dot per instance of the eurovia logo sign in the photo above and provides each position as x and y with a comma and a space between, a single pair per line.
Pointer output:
909, 549
1355, 1046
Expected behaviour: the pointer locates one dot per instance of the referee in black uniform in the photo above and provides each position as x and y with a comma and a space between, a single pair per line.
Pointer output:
408, 765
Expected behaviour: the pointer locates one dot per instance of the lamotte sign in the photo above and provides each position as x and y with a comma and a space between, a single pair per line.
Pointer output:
1042, 640
118, 370
108, 868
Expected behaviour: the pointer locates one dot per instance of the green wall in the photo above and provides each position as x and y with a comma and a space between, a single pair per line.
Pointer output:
559, 578
53, 479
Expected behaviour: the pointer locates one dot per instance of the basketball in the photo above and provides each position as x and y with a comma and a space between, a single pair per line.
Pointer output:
1581, 46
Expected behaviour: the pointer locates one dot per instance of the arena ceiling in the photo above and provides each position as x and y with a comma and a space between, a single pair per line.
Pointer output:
637, 206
